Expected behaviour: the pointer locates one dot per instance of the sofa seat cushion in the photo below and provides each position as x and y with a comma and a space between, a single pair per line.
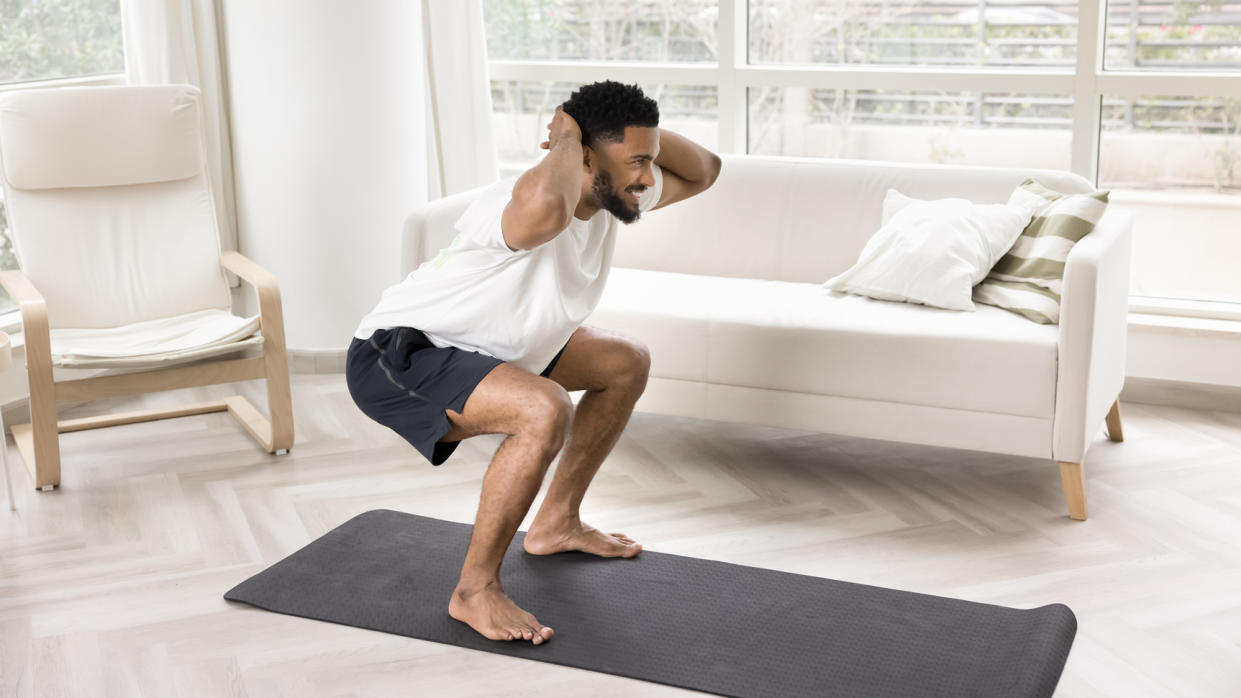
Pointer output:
790, 336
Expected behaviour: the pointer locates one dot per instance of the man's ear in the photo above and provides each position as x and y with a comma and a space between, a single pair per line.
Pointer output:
588, 158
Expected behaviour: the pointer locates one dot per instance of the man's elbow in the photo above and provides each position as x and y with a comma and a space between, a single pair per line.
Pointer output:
712, 170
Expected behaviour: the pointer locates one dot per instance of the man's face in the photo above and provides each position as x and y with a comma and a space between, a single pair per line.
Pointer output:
623, 171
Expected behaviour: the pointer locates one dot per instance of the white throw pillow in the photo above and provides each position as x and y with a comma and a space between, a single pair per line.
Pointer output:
932, 252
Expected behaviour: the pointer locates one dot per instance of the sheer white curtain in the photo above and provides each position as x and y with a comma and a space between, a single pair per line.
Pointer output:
173, 42
462, 152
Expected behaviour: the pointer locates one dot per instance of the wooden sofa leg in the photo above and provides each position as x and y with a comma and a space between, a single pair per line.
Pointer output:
1114, 431
1074, 481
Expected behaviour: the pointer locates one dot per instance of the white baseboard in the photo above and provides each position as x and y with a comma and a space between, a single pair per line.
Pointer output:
1199, 396
317, 360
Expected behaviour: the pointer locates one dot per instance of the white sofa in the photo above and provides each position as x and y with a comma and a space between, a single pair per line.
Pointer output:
725, 290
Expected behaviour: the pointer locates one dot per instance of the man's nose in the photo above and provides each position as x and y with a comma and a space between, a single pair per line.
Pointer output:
647, 179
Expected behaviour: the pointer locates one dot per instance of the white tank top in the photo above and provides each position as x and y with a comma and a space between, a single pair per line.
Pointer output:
517, 306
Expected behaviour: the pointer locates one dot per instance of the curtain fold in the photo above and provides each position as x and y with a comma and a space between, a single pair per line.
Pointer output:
462, 152
176, 42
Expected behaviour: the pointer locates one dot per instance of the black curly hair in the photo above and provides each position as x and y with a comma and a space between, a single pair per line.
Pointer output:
603, 110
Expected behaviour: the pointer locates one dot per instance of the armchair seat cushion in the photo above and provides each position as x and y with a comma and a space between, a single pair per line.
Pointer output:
155, 343
797, 337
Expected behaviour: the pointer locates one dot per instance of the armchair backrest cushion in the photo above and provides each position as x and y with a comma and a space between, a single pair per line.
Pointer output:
109, 204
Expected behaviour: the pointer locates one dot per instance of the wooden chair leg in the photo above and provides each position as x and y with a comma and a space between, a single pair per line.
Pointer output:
1074, 481
279, 398
275, 435
39, 441
1114, 431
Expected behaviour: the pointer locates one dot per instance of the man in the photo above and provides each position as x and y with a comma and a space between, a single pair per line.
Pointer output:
488, 338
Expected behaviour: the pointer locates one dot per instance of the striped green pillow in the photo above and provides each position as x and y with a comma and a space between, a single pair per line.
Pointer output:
1028, 278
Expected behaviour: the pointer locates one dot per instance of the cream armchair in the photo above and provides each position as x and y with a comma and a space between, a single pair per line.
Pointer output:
115, 233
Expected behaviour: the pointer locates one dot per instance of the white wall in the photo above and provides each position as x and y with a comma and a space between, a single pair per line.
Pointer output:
329, 150
1184, 354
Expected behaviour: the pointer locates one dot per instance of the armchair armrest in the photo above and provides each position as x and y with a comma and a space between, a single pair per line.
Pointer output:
33, 309
271, 312
249, 271
1094, 324
276, 435
27, 297
39, 376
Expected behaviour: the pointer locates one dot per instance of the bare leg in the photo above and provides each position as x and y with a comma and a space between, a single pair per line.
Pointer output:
614, 374
536, 413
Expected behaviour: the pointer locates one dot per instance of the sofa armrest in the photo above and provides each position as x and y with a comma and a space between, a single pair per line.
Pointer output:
429, 227
1094, 323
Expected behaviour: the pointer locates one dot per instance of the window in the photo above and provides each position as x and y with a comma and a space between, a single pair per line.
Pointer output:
70, 41
522, 110
1002, 130
46, 39
1173, 35
1148, 105
883, 32
1175, 163
601, 30
1170, 143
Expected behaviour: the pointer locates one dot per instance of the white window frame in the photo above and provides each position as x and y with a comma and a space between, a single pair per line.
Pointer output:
1087, 83
11, 320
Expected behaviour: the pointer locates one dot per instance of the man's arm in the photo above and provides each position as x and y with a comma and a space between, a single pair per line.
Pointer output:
689, 168
545, 196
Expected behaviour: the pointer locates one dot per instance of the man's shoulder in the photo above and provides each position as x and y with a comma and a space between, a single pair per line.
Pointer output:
489, 203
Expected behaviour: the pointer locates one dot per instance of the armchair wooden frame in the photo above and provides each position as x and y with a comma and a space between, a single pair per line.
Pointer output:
38, 442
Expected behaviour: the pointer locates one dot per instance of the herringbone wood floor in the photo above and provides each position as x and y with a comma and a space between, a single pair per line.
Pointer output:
111, 585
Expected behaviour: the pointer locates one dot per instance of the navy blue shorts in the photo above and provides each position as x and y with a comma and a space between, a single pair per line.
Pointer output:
400, 379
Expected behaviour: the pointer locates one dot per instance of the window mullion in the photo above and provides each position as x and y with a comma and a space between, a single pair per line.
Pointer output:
1087, 100
733, 45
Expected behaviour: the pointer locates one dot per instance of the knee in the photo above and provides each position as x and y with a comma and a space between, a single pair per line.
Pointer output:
548, 415
632, 367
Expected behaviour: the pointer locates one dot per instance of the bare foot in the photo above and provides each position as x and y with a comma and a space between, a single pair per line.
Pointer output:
494, 615
542, 540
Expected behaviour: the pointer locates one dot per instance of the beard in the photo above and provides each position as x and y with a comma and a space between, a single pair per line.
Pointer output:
606, 198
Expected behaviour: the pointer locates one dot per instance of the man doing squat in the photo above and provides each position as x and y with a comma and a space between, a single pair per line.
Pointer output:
487, 338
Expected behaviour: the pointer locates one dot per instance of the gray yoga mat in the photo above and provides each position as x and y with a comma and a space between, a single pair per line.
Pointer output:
698, 624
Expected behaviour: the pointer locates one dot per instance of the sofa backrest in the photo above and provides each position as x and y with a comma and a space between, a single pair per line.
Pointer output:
779, 218
800, 219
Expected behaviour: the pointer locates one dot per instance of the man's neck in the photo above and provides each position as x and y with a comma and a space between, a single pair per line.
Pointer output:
584, 211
